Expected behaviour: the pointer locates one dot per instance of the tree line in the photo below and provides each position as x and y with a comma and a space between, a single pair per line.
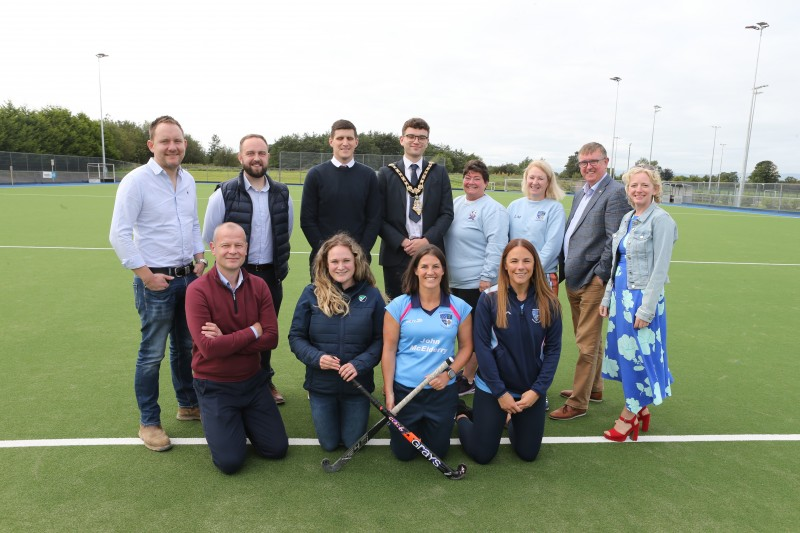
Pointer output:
55, 130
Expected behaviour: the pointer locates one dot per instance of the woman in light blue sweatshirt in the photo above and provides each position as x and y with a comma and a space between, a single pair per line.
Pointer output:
539, 216
473, 245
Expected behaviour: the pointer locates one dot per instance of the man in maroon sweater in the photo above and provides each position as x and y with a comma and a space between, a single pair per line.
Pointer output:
232, 320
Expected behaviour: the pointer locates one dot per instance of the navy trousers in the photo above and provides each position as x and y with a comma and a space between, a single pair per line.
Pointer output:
480, 436
232, 412
430, 416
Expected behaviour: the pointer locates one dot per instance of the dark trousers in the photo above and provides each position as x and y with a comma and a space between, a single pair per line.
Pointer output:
480, 436
393, 278
429, 416
233, 411
267, 273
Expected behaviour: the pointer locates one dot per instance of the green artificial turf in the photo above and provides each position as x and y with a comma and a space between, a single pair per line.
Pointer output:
69, 340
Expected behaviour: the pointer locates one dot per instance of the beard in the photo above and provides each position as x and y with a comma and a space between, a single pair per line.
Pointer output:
253, 173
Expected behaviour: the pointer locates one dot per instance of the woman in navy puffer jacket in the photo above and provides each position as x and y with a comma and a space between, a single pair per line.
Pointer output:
337, 332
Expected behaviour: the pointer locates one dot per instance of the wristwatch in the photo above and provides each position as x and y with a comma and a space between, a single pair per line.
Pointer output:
202, 261
451, 373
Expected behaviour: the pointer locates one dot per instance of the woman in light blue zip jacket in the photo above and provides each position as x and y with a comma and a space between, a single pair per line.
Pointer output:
636, 344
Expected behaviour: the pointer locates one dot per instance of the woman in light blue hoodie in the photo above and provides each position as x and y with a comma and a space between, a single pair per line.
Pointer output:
636, 345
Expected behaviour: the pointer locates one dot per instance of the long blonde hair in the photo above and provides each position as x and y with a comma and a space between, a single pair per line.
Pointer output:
330, 298
554, 190
544, 294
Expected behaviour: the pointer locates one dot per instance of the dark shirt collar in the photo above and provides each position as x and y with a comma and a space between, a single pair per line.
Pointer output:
443, 302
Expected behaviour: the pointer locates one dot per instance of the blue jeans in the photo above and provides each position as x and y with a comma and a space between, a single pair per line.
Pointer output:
338, 418
163, 315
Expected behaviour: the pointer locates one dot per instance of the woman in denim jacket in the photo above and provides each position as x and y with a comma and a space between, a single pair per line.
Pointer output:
636, 345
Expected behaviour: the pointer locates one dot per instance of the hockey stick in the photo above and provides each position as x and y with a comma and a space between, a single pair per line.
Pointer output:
415, 441
361, 442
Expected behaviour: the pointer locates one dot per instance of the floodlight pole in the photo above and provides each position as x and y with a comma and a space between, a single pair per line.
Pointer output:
721, 153
102, 130
629, 156
656, 109
713, 146
616, 79
760, 26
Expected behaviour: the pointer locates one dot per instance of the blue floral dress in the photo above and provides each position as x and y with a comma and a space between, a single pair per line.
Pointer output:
637, 358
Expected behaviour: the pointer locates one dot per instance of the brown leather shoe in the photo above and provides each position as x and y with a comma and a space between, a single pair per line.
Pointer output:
155, 438
188, 413
567, 412
276, 395
596, 397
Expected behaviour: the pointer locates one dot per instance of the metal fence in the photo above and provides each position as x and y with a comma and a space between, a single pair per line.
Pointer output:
21, 167
767, 196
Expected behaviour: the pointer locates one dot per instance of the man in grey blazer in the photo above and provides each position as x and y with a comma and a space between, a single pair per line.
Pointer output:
585, 264
416, 205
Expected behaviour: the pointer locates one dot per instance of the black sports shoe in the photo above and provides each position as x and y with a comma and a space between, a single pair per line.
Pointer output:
464, 386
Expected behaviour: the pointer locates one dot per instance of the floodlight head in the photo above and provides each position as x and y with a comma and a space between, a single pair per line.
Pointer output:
762, 25
751, 27
657, 108
101, 55
616, 79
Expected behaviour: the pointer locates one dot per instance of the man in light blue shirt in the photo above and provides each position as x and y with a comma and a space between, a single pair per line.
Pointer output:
585, 265
155, 232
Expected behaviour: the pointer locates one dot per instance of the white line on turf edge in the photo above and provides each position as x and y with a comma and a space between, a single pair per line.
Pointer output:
376, 255
41, 443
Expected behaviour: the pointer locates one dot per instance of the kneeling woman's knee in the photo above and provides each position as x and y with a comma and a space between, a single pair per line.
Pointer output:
528, 455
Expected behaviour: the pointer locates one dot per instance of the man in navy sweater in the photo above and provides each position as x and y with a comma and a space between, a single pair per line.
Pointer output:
341, 195
232, 320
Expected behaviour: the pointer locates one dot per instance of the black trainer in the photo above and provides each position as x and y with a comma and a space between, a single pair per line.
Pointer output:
464, 386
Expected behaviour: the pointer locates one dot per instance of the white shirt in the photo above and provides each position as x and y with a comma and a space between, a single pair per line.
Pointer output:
414, 229
588, 192
260, 250
154, 224
338, 163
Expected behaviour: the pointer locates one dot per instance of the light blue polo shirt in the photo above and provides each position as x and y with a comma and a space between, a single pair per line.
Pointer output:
425, 339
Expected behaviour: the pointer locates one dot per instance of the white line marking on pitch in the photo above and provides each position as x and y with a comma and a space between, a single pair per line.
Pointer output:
40, 443
733, 263
375, 254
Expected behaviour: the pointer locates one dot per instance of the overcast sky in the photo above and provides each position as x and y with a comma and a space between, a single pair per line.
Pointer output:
503, 79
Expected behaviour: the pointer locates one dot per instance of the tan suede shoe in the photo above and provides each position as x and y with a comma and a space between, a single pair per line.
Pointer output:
188, 413
155, 438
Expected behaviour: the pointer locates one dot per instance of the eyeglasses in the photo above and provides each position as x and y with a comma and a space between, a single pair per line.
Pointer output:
420, 138
590, 162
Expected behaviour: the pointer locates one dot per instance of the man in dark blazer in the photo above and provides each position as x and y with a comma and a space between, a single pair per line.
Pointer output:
416, 205
585, 264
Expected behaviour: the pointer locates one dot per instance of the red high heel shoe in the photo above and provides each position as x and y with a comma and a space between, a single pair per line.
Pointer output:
644, 418
616, 436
